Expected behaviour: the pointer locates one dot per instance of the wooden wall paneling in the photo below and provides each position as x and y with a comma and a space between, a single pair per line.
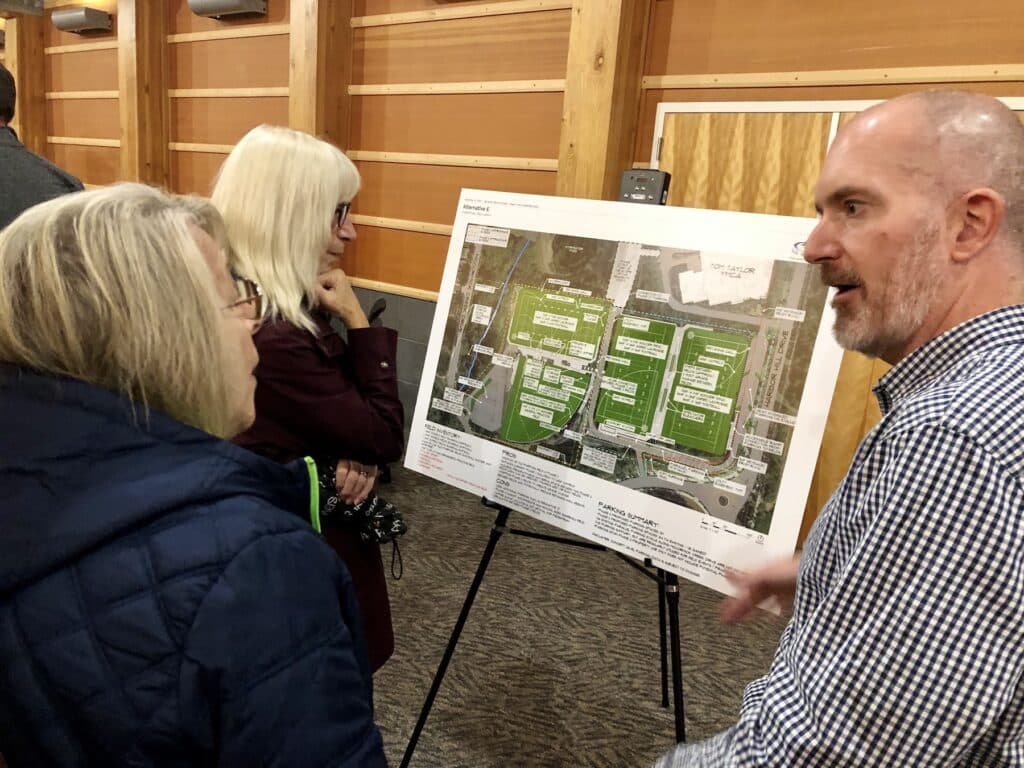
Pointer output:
652, 97
181, 20
412, 259
231, 63
429, 193
193, 172
223, 120
26, 62
602, 91
82, 71
755, 162
702, 36
91, 118
521, 47
516, 125
142, 71
92, 165
320, 65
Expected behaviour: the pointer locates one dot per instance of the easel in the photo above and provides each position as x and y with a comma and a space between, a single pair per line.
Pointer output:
668, 595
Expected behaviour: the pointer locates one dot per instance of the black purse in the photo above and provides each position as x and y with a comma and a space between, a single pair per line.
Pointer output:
374, 519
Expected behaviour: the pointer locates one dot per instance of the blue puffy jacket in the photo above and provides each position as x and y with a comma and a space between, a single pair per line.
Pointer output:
163, 598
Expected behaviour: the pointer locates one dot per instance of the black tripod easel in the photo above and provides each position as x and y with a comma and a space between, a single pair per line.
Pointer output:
668, 603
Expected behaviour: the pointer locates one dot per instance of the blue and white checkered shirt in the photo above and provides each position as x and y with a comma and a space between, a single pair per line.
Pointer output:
906, 646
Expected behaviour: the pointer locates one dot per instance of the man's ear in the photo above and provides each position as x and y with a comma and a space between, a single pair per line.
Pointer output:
977, 217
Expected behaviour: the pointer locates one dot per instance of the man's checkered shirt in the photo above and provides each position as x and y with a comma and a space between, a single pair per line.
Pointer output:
906, 646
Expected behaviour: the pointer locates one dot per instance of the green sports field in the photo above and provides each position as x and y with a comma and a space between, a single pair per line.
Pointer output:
542, 400
558, 322
705, 385
633, 373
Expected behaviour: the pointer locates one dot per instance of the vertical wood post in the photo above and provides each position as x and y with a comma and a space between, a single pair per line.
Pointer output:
607, 44
23, 56
142, 80
320, 67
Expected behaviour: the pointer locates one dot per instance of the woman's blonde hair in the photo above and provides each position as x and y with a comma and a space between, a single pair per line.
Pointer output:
208, 219
277, 192
110, 287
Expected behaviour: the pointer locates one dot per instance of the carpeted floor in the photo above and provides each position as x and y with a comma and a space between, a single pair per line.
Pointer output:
558, 664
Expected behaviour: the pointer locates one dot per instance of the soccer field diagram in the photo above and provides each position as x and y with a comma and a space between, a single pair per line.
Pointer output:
558, 323
633, 374
543, 399
705, 385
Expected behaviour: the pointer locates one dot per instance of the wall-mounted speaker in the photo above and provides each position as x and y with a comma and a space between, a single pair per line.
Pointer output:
218, 8
81, 20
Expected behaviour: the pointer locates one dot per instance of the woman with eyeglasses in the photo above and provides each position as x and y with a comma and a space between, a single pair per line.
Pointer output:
285, 198
164, 600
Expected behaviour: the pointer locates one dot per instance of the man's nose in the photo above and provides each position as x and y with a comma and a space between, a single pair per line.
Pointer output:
821, 244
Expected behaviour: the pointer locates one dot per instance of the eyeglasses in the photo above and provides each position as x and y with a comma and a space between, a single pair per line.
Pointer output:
341, 214
249, 292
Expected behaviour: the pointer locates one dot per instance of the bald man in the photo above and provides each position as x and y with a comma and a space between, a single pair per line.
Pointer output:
906, 645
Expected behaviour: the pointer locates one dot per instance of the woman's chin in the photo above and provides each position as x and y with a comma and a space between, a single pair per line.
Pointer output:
329, 263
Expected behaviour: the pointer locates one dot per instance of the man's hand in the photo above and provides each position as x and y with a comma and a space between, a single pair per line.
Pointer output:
334, 293
354, 480
776, 580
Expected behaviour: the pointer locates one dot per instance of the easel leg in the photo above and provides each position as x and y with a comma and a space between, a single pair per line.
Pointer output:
496, 531
672, 593
662, 642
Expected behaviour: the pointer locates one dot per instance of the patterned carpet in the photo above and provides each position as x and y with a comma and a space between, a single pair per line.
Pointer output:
558, 664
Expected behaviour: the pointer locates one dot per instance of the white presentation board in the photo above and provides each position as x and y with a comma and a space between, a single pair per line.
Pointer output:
655, 379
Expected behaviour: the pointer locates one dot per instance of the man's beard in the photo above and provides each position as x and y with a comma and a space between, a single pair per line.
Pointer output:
888, 318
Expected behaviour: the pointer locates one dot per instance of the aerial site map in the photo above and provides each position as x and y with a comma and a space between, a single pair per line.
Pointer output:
676, 371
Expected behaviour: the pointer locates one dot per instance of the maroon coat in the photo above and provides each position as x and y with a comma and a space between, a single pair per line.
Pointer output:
318, 396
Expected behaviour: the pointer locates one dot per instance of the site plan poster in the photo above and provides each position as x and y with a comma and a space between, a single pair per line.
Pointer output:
655, 379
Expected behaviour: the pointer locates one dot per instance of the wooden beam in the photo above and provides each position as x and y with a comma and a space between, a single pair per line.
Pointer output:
230, 33
103, 5
83, 141
480, 86
408, 225
320, 67
80, 95
463, 161
25, 59
232, 93
467, 12
142, 77
977, 73
213, 149
398, 290
602, 95
99, 45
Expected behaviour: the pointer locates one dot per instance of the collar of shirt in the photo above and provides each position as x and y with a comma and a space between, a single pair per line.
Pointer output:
974, 337
9, 137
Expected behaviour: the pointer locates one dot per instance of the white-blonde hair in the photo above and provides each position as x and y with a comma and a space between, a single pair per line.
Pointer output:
110, 287
277, 192
208, 219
